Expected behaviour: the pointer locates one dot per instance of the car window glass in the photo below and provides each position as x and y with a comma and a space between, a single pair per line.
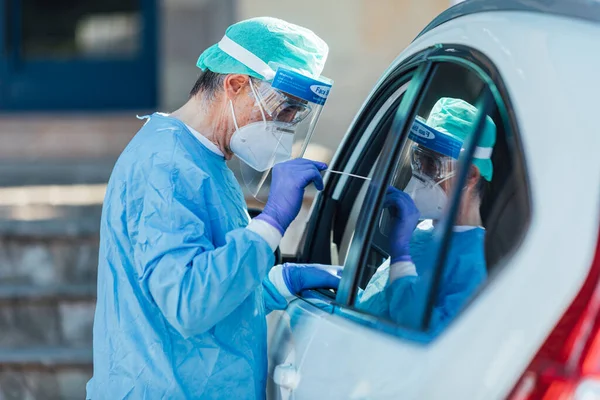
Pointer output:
404, 280
344, 194
352, 190
350, 226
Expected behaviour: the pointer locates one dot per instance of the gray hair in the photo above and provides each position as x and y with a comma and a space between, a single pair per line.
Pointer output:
209, 84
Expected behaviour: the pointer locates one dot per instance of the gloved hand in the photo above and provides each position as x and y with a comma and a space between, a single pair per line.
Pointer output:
405, 217
289, 180
299, 277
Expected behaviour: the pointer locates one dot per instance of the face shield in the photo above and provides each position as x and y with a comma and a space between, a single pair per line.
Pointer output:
432, 155
288, 108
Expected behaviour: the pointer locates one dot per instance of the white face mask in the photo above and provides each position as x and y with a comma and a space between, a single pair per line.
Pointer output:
428, 196
264, 143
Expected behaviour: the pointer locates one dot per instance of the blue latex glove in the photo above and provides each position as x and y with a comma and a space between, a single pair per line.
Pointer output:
289, 180
405, 217
299, 277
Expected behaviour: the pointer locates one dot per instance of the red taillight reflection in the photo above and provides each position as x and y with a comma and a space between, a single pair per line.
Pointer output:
571, 352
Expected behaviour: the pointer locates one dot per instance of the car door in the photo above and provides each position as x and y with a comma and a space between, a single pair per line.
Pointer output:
326, 345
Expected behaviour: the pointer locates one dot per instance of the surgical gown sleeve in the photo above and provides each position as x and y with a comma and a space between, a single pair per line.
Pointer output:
194, 284
272, 298
372, 299
407, 295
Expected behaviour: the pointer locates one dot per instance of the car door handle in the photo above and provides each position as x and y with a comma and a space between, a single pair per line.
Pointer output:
286, 376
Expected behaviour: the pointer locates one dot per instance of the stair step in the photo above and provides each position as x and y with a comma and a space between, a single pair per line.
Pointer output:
50, 322
46, 293
50, 221
44, 384
48, 261
55, 172
46, 373
46, 357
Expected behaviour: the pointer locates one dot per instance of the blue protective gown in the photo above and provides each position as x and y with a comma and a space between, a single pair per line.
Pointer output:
403, 301
181, 297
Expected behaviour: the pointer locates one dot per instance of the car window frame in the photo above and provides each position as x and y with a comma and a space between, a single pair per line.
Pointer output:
383, 173
479, 64
311, 242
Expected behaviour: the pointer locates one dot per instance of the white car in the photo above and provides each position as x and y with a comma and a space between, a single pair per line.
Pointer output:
532, 331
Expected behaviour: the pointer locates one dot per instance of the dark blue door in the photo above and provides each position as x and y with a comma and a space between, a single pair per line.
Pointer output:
64, 55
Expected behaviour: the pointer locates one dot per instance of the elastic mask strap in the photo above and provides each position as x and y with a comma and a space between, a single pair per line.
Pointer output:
233, 114
429, 181
257, 100
450, 175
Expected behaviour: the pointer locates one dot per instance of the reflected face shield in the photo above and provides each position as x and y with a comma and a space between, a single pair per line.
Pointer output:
429, 170
433, 159
290, 106
430, 154
428, 163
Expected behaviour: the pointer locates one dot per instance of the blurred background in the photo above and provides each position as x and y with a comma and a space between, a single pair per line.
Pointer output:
73, 76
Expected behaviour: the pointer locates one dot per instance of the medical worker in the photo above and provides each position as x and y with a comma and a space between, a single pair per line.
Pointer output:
184, 278
399, 291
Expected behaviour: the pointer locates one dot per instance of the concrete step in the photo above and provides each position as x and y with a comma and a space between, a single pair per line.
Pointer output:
46, 341
48, 358
34, 221
33, 294
48, 261
48, 268
66, 137
24, 172
60, 248
46, 316
44, 373
43, 383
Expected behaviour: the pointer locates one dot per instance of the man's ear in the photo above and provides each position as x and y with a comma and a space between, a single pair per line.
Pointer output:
474, 176
234, 84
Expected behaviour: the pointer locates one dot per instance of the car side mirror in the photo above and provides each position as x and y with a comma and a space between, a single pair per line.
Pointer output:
253, 213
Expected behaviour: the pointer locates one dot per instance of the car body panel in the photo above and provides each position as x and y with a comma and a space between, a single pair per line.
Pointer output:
581, 9
548, 65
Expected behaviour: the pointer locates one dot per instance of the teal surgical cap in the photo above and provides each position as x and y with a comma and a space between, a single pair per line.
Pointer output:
455, 117
257, 46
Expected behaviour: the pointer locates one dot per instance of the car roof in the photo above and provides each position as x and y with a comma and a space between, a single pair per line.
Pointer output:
588, 10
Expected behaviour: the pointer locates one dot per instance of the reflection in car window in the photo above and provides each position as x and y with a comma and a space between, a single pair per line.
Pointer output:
398, 279
350, 191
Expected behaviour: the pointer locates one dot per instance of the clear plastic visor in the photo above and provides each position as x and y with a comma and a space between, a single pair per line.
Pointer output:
289, 119
430, 163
